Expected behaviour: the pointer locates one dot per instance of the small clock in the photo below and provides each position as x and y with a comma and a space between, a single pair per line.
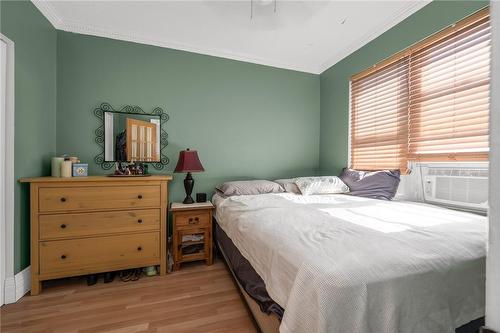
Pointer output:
80, 170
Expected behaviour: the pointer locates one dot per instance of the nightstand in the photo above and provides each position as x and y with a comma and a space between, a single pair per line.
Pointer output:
192, 232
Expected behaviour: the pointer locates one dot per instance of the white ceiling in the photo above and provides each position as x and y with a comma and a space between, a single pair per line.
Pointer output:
308, 36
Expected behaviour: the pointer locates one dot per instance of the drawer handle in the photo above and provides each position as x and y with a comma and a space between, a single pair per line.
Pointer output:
190, 221
63, 199
63, 256
139, 221
196, 219
139, 248
63, 226
139, 196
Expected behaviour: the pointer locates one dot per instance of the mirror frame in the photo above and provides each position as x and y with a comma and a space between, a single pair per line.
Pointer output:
129, 109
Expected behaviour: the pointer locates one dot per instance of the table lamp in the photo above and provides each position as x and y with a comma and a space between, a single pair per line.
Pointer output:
188, 162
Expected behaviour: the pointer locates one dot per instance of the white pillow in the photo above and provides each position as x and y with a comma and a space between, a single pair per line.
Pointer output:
321, 185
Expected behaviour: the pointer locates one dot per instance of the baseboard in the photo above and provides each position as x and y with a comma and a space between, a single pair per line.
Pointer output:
17, 286
10, 290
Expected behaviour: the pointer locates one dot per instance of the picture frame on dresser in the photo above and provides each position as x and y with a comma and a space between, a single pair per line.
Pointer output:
95, 224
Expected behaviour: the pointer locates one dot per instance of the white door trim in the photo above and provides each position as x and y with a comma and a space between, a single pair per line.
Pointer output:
493, 257
7, 158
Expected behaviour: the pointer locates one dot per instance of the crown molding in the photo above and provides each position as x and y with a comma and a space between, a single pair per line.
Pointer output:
50, 14
409, 9
46, 8
135, 38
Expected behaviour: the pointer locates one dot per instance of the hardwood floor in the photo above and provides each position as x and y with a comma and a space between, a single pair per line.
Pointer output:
197, 298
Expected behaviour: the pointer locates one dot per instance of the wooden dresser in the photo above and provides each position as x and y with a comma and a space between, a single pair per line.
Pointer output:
96, 224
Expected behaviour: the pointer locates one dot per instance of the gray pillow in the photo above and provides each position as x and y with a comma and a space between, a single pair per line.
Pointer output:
289, 185
372, 184
249, 187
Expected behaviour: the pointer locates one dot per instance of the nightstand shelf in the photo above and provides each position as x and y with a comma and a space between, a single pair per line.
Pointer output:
192, 233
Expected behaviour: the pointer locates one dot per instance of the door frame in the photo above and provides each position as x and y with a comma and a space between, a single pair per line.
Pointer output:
7, 174
493, 256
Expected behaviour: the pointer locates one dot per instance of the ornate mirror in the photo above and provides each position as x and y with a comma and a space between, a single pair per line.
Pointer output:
131, 135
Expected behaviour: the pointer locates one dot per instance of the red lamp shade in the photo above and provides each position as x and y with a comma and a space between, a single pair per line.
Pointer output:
188, 162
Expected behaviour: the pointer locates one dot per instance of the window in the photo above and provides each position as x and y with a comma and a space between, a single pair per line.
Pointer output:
379, 135
427, 103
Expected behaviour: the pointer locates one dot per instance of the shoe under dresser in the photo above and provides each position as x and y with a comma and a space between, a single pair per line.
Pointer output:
87, 225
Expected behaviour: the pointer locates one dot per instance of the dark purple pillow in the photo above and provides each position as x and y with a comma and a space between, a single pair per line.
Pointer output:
371, 184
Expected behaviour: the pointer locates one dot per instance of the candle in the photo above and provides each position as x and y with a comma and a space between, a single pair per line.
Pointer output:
56, 166
66, 167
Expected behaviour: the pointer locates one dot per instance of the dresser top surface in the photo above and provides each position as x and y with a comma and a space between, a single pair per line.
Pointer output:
50, 179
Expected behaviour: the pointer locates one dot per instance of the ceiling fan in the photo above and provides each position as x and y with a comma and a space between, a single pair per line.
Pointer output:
261, 3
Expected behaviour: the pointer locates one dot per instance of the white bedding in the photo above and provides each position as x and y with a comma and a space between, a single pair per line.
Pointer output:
338, 263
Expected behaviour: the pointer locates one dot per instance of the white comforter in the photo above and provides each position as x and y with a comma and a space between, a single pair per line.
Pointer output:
345, 264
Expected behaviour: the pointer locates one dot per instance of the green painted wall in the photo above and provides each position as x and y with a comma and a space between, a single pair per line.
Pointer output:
35, 106
335, 80
245, 120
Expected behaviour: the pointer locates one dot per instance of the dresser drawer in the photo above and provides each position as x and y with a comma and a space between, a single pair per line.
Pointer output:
89, 224
53, 199
78, 256
201, 219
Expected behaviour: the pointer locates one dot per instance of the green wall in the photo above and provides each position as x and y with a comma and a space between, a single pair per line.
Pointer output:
245, 120
335, 81
35, 106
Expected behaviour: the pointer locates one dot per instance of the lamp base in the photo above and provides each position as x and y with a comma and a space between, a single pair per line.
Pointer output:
188, 186
188, 200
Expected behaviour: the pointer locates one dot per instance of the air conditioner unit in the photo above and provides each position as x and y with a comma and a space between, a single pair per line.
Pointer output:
457, 186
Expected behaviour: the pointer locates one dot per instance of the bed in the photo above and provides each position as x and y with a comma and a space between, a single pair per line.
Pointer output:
340, 263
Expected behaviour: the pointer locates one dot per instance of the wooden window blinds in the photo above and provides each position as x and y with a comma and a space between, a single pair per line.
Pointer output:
429, 102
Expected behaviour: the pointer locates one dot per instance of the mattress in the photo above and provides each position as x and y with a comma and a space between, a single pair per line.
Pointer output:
237, 212
255, 287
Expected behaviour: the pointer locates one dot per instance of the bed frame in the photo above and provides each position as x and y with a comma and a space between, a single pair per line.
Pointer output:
266, 323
